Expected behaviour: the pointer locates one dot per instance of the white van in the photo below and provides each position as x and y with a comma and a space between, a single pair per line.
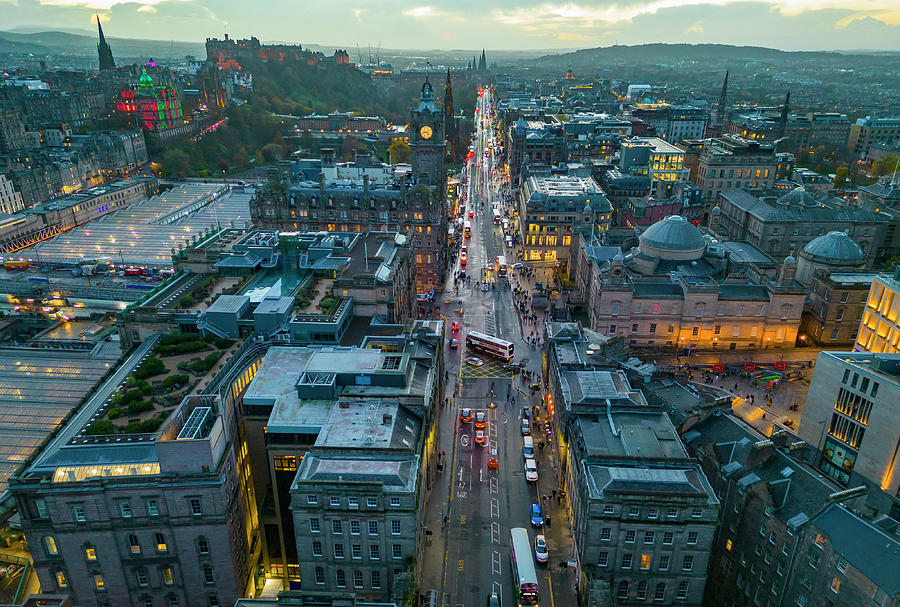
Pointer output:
526, 429
527, 447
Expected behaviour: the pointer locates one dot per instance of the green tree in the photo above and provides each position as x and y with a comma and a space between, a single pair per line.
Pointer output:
885, 166
840, 177
399, 152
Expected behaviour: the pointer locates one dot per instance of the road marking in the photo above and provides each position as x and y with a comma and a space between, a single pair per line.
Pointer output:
494, 485
464, 441
495, 508
460, 565
495, 562
497, 587
495, 533
480, 475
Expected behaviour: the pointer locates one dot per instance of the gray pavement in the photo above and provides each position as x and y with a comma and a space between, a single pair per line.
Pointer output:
469, 557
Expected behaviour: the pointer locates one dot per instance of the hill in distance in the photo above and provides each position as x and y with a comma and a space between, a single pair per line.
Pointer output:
85, 44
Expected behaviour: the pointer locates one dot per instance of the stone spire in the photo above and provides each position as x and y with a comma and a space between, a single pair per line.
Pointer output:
482, 65
720, 112
785, 109
105, 53
449, 120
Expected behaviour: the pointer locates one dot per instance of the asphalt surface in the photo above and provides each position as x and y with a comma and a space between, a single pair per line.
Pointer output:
482, 505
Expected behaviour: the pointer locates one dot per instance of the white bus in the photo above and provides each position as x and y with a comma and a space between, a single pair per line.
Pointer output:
467, 229
490, 345
497, 217
501, 266
522, 559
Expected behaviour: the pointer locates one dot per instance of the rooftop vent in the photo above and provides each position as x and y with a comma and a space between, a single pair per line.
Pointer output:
197, 423
386, 419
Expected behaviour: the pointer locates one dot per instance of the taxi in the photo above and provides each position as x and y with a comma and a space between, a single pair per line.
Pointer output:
465, 416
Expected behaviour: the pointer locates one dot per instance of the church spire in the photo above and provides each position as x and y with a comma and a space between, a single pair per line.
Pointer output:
103, 51
720, 117
782, 123
482, 65
450, 127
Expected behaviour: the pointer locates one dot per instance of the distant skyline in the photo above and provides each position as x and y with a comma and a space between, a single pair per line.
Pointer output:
471, 24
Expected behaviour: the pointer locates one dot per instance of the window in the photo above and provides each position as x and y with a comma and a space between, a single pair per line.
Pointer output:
208, 577
634, 328
202, 546
820, 540
395, 527
374, 552
609, 509
317, 548
612, 329
652, 327
642, 590
842, 565
671, 329
645, 561
649, 537
653, 513
688, 563
728, 544
373, 527
834, 334
357, 579
314, 525
285, 463
312, 500
668, 537
801, 600
334, 501
762, 530
196, 509
152, 508
41, 506
161, 545
773, 537
603, 559
340, 578
50, 545
660, 593
395, 502
615, 308
354, 527
626, 560
835, 585
212, 601
336, 527
682, 591
99, 582
135, 544
61, 581
697, 512
371, 502
814, 561
634, 511
376, 579
90, 553
78, 513
167, 577
173, 601
622, 591
356, 551
629, 536
692, 537
338, 551
717, 330
605, 534
396, 551
125, 509
672, 512
664, 562
320, 575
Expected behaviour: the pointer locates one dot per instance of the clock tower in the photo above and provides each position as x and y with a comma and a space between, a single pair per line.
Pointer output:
426, 139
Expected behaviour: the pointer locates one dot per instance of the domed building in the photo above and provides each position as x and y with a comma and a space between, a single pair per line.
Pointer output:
834, 251
673, 239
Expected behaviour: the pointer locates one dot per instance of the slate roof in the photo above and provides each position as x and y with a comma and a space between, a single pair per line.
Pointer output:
871, 551
765, 211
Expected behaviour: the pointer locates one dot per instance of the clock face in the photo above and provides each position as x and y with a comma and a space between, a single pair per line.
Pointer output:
426, 132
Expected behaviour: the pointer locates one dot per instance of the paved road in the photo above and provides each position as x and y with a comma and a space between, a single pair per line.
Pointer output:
472, 552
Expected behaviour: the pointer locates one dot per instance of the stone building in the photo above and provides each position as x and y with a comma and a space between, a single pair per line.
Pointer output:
542, 143
781, 224
728, 163
553, 209
868, 131
879, 329
671, 292
834, 307
643, 514
850, 418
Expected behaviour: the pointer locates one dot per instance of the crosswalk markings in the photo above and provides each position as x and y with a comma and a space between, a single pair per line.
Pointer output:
489, 370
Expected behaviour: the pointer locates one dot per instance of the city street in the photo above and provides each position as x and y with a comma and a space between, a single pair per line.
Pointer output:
469, 557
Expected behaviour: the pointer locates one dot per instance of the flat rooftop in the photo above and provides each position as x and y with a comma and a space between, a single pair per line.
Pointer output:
632, 434
567, 185
369, 425
396, 474
277, 375
686, 482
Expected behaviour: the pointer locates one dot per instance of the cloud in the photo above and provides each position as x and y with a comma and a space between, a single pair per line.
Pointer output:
357, 12
147, 8
100, 4
696, 28
99, 17
423, 12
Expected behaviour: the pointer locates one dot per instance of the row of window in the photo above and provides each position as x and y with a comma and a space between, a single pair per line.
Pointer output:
659, 593
133, 542
100, 584
649, 536
152, 509
699, 309
652, 513
863, 385
340, 578
356, 551
337, 527
646, 561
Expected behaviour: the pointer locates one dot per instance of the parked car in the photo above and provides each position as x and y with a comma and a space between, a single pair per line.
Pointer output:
526, 428
541, 552
474, 361
531, 473
465, 416
537, 517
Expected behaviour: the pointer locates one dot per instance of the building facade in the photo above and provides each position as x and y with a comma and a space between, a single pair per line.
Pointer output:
851, 419
834, 307
868, 131
729, 162
879, 329
553, 209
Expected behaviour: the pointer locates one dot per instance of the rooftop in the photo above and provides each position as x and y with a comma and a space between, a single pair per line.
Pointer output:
634, 434
685, 482
396, 474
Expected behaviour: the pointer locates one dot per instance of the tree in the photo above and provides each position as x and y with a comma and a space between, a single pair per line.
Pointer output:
350, 146
885, 166
840, 177
400, 153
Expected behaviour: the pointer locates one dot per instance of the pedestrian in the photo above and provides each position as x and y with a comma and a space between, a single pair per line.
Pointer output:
554, 493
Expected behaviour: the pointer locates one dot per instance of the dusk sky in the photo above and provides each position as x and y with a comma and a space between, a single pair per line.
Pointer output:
473, 24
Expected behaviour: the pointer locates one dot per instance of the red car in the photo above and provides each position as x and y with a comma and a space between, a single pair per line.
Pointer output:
463, 259
472, 213
455, 327
480, 421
